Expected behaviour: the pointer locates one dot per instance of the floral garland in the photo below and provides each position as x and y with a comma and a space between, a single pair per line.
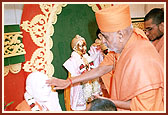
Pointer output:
91, 87
83, 68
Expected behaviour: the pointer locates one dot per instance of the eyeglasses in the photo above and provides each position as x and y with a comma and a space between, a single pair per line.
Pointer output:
148, 29
104, 36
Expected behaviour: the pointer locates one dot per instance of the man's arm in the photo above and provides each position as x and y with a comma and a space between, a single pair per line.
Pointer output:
119, 104
122, 104
94, 73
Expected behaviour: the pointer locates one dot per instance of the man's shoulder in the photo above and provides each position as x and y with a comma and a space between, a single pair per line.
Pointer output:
142, 49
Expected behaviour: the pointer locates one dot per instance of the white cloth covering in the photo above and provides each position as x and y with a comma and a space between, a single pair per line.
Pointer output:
38, 91
96, 55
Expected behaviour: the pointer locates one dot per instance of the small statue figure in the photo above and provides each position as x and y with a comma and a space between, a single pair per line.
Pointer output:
79, 63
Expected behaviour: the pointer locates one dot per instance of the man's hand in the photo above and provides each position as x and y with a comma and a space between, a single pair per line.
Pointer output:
58, 83
119, 104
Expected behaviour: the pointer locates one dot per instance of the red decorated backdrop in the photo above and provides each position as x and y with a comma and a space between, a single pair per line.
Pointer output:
14, 84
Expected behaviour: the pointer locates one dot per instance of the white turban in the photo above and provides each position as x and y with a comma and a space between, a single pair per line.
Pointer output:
37, 88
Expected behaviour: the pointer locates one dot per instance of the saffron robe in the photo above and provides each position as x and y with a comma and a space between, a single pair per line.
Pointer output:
24, 106
138, 75
107, 78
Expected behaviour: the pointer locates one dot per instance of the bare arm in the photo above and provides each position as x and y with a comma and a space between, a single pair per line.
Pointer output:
94, 73
122, 104
119, 104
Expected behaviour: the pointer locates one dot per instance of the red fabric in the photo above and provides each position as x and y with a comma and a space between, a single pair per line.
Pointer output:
29, 45
14, 84
14, 88
99, 7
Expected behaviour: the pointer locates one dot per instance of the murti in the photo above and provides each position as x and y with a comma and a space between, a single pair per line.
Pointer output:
91, 87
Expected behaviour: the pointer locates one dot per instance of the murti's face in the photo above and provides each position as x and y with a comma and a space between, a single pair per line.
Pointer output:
81, 47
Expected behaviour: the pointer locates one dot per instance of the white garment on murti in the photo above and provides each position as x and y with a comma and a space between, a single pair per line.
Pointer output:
77, 100
96, 55
73, 64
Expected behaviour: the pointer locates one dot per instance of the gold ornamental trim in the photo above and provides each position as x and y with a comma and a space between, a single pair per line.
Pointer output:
14, 68
139, 25
97, 7
41, 29
12, 45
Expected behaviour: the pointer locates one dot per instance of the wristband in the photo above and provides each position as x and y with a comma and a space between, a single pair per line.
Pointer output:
70, 80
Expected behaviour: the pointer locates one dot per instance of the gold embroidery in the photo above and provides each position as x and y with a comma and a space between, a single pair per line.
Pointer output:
6, 70
95, 8
12, 45
41, 30
14, 68
139, 25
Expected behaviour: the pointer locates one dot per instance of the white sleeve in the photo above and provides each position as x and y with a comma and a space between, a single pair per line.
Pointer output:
70, 65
